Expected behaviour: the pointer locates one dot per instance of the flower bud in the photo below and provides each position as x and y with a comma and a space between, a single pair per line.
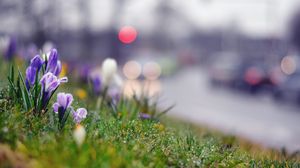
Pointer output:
109, 69
79, 114
79, 134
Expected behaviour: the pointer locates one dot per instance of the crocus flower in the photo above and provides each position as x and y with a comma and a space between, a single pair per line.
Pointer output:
96, 84
64, 101
36, 62
11, 49
79, 135
35, 65
50, 83
52, 63
109, 69
79, 115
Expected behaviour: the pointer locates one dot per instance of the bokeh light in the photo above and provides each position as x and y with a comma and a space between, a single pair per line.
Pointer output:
132, 69
288, 65
127, 34
151, 70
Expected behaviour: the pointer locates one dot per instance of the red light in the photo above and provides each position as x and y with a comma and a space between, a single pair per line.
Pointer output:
127, 34
253, 76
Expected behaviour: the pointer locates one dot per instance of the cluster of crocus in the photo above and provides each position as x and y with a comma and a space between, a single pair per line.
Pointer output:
63, 107
41, 81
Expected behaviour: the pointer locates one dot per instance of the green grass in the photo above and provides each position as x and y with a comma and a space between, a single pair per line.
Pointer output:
111, 142
31, 141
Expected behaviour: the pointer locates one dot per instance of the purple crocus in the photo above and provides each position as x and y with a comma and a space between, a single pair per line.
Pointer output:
96, 84
61, 106
144, 116
11, 49
79, 115
50, 83
33, 69
64, 101
52, 63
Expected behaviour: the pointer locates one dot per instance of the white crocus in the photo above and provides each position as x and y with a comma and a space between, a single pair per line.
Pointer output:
109, 70
79, 135
48, 45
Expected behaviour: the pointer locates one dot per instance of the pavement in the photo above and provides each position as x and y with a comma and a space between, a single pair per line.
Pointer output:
258, 118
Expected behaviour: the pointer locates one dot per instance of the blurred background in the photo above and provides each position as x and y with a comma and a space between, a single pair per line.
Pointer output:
227, 64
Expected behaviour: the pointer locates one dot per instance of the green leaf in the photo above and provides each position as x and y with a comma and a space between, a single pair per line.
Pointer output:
12, 86
25, 94
12, 73
25, 102
165, 111
11, 79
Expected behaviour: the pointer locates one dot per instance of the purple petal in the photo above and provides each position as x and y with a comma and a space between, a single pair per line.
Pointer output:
55, 107
30, 75
61, 99
58, 68
144, 116
79, 114
52, 62
43, 81
82, 112
36, 62
52, 86
69, 100
49, 82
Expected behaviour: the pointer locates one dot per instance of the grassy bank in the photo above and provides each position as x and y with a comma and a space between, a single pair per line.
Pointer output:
116, 134
111, 142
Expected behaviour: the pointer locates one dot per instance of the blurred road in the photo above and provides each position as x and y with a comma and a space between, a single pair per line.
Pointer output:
257, 118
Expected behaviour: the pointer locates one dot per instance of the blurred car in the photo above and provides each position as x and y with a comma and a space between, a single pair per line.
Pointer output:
256, 77
234, 72
289, 89
223, 69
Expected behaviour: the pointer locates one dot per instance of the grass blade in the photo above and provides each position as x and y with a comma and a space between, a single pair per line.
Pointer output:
25, 93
